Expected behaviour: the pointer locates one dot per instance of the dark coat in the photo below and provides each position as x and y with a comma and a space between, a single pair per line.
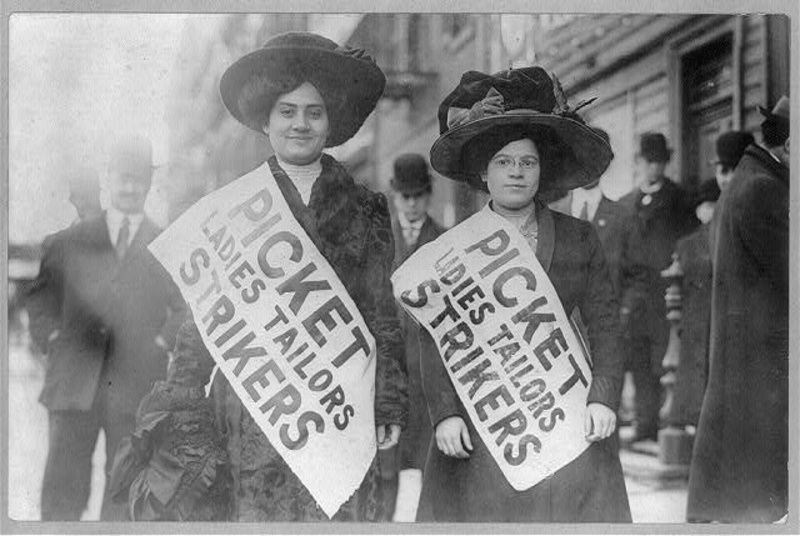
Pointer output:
108, 315
694, 256
607, 220
649, 233
417, 435
591, 488
351, 227
739, 464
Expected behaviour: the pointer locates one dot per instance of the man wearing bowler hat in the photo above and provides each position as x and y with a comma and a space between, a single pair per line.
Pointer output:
657, 213
100, 306
739, 471
412, 227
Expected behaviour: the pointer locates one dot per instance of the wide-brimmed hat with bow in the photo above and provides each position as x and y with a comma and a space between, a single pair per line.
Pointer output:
347, 71
527, 100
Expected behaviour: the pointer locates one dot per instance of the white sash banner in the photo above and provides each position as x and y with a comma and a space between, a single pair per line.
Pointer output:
281, 328
506, 342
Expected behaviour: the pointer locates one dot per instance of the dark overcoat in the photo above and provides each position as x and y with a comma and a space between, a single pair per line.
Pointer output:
415, 438
739, 464
350, 226
108, 314
649, 233
694, 256
607, 220
591, 488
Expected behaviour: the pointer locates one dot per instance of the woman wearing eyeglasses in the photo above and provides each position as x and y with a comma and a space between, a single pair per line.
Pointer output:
512, 134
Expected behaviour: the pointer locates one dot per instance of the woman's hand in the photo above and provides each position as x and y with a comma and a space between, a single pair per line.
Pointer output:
452, 437
600, 422
388, 435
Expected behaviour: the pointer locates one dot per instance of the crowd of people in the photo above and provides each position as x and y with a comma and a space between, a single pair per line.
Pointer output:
129, 354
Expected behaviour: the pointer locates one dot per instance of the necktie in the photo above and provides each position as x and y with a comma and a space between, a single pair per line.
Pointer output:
122, 238
584, 215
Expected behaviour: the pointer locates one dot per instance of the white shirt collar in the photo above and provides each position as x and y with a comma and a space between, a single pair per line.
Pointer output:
590, 197
303, 177
114, 219
405, 224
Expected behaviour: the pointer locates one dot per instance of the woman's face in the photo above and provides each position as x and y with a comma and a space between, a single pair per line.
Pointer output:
298, 125
513, 174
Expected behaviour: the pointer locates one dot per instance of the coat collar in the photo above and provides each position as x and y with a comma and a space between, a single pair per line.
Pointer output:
767, 161
546, 240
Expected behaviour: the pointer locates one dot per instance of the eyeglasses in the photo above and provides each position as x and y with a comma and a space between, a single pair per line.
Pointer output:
526, 163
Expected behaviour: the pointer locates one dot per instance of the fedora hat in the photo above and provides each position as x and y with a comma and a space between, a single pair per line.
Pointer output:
523, 100
411, 175
779, 112
653, 147
775, 126
327, 65
731, 146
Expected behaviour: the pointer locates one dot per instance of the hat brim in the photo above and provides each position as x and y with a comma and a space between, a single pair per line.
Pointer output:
592, 154
362, 82
415, 189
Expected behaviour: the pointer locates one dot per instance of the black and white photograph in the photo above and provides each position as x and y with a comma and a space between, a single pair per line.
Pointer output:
459, 267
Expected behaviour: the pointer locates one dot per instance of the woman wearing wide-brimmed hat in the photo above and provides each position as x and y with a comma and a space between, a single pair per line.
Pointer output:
306, 93
513, 134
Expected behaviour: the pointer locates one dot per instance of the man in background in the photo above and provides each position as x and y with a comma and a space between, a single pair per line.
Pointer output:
739, 471
413, 227
100, 308
657, 214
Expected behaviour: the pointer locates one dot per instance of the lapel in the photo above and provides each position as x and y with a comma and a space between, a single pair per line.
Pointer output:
96, 233
144, 235
334, 219
773, 167
604, 213
546, 240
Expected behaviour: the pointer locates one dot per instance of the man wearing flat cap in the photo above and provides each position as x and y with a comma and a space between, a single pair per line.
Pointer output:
739, 471
657, 214
412, 227
100, 307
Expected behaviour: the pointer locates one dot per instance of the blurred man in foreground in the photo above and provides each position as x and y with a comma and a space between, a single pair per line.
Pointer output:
739, 471
99, 308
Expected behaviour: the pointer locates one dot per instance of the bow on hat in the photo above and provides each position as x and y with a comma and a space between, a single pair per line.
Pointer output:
526, 99
527, 88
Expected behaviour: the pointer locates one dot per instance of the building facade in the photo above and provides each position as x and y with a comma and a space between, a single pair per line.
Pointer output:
690, 77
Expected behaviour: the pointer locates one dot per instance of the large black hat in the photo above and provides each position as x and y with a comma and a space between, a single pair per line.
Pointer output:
347, 71
731, 146
525, 100
411, 174
653, 147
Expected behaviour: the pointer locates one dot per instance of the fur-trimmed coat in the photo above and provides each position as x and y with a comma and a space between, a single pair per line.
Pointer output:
351, 227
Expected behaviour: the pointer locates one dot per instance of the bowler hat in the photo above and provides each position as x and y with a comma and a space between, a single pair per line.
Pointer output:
411, 176
349, 71
653, 147
532, 103
132, 153
731, 146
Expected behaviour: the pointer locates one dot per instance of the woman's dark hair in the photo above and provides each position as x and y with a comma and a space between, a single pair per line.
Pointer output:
552, 152
261, 91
